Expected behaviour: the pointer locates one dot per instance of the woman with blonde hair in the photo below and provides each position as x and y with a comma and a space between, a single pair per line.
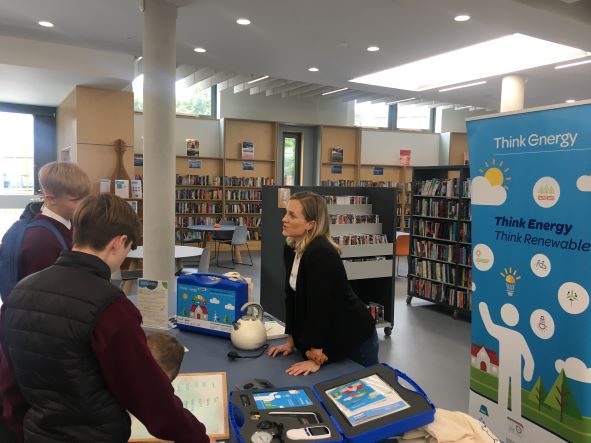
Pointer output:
325, 320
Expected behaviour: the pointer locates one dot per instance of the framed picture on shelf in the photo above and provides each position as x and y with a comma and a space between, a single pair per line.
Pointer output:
247, 152
283, 196
195, 164
248, 166
192, 147
378, 170
336, 154
138, 160
405, 157
336, 169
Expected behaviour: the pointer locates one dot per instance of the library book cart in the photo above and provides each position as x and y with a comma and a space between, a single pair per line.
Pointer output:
365, 232
440, 268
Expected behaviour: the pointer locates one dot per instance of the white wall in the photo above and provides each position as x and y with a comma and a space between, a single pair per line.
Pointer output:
383, 147
455, 121
289, 110
207, 131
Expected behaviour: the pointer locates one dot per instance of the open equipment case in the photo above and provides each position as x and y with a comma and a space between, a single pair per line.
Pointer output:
377, 407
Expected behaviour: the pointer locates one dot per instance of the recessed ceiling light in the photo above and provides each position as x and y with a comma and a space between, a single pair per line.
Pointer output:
313, 69
503, 55
335, 91
243, 21
568, 65
264, 77
373, 48
200, 50
467, 85
45, 24
462, 18
570, 100
400, 101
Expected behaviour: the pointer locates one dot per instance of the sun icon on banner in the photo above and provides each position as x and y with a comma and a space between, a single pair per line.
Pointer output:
495, 174
511, 279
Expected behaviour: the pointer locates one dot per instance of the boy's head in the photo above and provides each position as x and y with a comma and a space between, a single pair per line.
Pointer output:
167, 351
107, 226
63, 185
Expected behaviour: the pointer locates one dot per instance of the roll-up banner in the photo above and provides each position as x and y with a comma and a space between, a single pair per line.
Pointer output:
530, 378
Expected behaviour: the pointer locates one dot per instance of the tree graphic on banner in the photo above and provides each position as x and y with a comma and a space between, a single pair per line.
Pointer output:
538, 393
560, 398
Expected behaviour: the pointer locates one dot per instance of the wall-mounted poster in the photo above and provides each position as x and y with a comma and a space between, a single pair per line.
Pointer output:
405, 157
248, 166
247, 151
195, 164
138, 160
378, 170
192, 147
336, 169
337, 154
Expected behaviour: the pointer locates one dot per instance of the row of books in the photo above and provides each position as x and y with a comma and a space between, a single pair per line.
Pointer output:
339, 183
465, 233
360, 239
243, 195
198, 208
466, 212
443, 230
245, 208
346, 199
360, 259
461, 299
465, 277
430, 290
199, 180
199, 194
436, 208
435, 251
253, 182
465, 255
347, 219
442, 272
438, 187
377, 184
185, 221
466, 188
251, 222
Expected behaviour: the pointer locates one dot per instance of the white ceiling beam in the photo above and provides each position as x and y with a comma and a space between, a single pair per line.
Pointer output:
270, 85
183, 71
257, 87
318, 92
302, 90
196, 77
288, 87
357, 95
233, 82
214, 80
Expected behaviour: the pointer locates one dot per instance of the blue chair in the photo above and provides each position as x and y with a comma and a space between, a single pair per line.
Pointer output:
239, 238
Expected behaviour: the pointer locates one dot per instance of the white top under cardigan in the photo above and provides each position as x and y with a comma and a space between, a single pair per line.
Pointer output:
293, 276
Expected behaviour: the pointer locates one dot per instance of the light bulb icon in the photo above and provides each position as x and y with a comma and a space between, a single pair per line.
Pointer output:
510, 276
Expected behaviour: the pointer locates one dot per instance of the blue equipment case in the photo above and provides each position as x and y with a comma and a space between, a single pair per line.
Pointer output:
209, 303
242, 407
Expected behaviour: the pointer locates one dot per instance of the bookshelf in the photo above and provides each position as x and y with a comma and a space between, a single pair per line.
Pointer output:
440, 248
367, 246
244, 174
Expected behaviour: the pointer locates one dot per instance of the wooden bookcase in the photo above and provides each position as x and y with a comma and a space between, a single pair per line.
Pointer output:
339, 137
372, 281
244, 177
440, 248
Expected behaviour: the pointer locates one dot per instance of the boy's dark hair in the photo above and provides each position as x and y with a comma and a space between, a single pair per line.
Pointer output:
167, 351
100, 218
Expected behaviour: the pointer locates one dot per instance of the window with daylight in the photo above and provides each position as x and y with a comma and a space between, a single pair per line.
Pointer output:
16, 153
189, 100
371, 114
414, 117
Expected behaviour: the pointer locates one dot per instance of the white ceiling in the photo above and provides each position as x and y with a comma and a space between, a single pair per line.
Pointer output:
286, 37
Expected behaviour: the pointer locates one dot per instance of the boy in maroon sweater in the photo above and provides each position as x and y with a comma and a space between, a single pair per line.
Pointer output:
63, 185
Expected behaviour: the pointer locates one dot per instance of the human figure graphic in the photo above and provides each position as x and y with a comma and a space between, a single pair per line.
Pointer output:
512, 347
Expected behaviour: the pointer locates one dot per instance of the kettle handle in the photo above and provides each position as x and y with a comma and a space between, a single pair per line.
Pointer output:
258, 309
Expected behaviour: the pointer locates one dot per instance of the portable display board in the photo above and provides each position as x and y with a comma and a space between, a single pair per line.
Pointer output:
205, 395
531, 202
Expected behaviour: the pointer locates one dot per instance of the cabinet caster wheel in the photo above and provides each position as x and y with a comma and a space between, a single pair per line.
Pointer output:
456, 315
388, 331
408, 299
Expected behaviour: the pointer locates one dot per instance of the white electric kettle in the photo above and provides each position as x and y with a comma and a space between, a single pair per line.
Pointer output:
249, 331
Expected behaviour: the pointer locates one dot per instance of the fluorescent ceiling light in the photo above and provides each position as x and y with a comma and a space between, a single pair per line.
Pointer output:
313, 69
568, 65
495, 57
467, 85
373, 48
200, 50
400, 101
335, 91
462, 18
264, 77
243, 21
45, 24
570, 100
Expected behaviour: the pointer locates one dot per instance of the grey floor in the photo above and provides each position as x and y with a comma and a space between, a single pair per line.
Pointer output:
426, 342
